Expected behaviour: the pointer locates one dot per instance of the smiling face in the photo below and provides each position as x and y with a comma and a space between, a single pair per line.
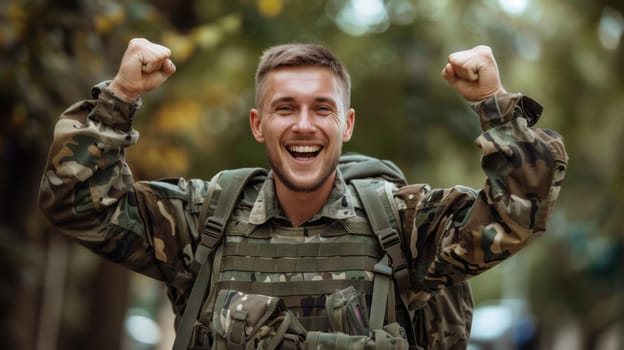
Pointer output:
303, 123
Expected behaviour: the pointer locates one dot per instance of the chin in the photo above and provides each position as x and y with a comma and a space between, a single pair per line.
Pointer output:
303, 186
303, 180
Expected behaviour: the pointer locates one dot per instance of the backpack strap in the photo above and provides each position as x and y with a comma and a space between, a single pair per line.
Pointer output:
381, 304
372, 194
211, 227
232, 183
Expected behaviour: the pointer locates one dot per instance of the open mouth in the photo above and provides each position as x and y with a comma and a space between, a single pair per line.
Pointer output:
304, 152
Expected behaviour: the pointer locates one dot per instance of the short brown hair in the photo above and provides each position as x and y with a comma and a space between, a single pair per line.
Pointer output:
301, 55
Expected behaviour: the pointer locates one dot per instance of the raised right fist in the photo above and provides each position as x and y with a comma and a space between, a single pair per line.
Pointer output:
144, 67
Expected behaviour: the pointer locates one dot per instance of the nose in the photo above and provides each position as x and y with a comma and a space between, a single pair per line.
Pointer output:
304, 122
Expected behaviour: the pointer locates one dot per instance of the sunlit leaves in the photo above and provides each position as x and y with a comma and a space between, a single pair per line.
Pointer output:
182, 46
209, 35
204, 36
180, 116
151, 159
109, 17
12, 22
269, 8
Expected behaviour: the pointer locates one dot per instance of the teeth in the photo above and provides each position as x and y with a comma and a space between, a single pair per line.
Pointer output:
304, 149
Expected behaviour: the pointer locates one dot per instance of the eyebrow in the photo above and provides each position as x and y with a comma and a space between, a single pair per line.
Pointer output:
326, 100
282, 99
292, 99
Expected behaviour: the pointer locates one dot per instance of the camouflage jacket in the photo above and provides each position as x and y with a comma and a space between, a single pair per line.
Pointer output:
88, 193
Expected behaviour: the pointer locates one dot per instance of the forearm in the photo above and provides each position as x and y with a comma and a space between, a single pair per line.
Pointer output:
86, 190
525, 166
86, 170
463, 232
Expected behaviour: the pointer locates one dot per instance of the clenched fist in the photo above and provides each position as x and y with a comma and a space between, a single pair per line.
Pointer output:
144, 67
473, 73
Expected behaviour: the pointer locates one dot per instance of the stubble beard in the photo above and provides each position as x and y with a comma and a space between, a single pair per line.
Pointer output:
290, 183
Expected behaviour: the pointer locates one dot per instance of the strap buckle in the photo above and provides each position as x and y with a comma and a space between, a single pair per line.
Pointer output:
390, 241
388, 237
213, 227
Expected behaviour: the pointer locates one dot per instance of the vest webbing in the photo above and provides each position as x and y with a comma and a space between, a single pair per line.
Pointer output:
278, 250
296, 268
211, 236
213, 231
304, 264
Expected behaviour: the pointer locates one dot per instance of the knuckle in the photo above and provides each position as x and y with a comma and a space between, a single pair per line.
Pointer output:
137, 42
485, 50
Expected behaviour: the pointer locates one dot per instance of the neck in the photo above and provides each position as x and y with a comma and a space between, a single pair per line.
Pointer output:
300, 206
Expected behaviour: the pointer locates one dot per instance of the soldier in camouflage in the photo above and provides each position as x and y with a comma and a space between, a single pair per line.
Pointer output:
303, 116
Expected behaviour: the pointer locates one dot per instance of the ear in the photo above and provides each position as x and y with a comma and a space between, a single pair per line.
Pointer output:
349, 125
255, 121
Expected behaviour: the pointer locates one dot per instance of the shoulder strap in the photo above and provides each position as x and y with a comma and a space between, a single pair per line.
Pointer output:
378, 209
211, 227
232, 183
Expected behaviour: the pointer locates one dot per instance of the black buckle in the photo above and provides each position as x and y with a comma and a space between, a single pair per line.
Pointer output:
389, 237
391, 243
213, 227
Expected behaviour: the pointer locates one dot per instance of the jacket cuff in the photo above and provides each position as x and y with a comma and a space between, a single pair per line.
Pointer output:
112, 110
498, 109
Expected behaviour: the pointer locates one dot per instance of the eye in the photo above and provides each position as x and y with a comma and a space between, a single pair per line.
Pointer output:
284, 109
324, 110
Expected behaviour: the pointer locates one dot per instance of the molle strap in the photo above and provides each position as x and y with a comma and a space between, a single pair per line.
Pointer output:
291, 288
281, 250
308, 264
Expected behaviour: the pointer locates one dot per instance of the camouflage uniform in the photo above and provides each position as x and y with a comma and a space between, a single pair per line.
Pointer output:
87, 192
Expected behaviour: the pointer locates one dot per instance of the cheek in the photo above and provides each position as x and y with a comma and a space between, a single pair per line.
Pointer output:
271, 130
338, 127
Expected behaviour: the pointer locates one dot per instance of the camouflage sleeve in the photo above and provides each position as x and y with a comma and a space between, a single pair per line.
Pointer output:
88, 193
457, 233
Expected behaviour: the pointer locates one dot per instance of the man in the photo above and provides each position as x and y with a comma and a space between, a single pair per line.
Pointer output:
303, 116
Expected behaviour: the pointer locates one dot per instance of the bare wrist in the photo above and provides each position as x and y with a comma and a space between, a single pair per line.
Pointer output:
118, 90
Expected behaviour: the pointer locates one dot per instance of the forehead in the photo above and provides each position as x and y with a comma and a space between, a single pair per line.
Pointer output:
301, 82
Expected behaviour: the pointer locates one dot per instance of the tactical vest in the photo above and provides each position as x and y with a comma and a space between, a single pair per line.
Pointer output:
301, 265
299, 268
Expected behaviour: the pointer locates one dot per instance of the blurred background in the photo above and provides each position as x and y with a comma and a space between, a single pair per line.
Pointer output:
565, 291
